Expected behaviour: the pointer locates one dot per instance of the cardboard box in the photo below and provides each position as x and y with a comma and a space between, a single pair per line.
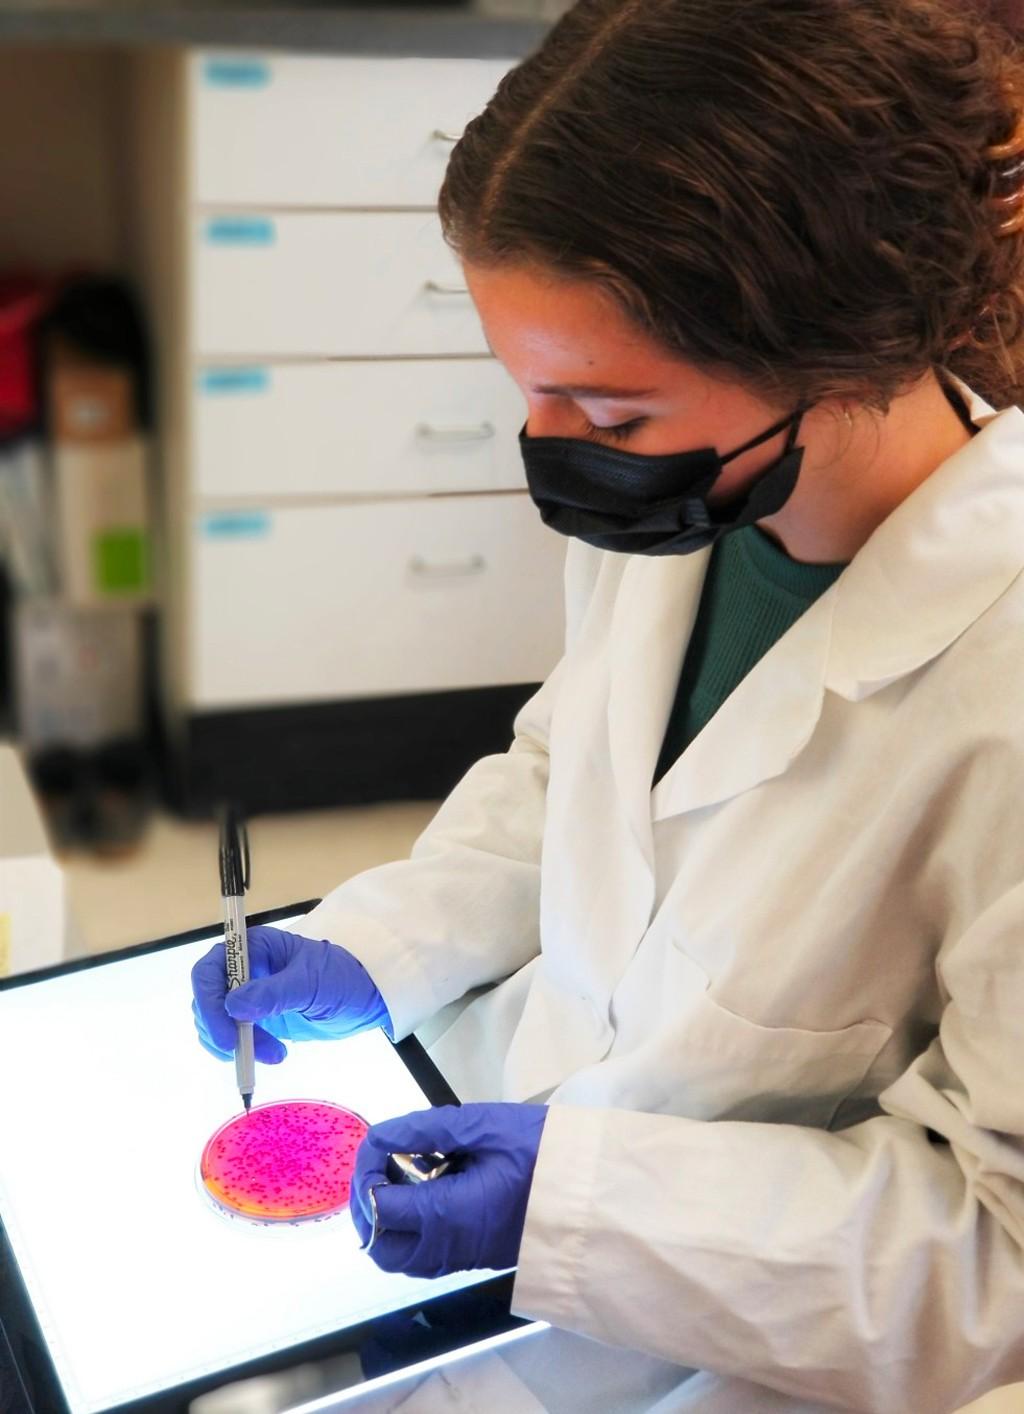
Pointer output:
33, 912
105, 541
77, 674
90, 402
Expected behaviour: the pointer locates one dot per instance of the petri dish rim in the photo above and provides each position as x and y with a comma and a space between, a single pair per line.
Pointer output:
270, 1222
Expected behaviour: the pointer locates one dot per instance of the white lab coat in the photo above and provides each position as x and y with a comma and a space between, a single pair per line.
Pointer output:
759, 994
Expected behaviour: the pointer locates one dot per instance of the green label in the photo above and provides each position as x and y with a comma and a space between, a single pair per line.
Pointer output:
121, 561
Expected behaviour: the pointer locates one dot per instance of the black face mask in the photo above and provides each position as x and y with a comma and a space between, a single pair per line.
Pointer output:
643, 505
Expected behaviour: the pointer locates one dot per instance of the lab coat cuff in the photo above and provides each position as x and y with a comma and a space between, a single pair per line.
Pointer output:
392, 963
558, 1215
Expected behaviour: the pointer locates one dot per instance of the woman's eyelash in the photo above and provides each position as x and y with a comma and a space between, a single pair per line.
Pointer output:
619, 433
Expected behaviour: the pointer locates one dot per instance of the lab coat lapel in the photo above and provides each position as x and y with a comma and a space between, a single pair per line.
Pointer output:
653, 617
599, 882
762, 725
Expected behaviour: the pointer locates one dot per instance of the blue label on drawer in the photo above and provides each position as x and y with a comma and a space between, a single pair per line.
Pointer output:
235, 525
236, 73
240, 230
234, 380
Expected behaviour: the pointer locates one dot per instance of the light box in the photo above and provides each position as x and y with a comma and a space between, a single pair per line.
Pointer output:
138, 1292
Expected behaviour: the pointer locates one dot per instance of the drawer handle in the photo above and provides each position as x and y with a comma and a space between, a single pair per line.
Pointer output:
479, 433
454, 569
440, 135
442, 287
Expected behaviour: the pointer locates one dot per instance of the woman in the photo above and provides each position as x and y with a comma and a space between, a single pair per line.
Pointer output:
728, 946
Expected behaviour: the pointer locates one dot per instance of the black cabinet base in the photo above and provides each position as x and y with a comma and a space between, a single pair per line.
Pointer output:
318, 755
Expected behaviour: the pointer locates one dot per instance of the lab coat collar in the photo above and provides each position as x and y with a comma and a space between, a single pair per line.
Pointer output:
933, 567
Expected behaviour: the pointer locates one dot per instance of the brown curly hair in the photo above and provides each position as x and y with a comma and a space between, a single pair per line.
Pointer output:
792, 192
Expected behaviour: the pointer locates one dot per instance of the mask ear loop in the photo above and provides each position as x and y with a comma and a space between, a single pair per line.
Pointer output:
795, 429
793, 422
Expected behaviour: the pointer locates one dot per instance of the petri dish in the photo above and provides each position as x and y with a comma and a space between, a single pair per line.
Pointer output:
288, 1163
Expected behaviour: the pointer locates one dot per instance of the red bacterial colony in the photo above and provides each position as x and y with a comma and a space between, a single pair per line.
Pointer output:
284, 1162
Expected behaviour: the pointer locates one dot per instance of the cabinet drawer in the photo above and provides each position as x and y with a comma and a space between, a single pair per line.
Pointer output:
358, 283
318, 602
362, 429
294, 130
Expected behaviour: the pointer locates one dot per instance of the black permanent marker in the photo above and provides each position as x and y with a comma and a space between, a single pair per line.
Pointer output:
234, 880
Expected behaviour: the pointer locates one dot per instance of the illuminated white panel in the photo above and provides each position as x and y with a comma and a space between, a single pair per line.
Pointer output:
106, 1099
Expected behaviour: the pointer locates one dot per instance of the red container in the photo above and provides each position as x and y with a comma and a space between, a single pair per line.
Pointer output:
24, 299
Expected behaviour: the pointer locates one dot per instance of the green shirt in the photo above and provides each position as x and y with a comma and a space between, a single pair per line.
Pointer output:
753, 593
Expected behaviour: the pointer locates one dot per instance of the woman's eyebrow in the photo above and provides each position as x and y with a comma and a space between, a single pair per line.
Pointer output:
593, 390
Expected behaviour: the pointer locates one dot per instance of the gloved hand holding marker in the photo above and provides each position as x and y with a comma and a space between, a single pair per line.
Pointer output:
300, 990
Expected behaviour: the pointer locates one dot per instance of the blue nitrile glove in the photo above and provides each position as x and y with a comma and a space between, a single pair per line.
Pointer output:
299, 989
473, 1217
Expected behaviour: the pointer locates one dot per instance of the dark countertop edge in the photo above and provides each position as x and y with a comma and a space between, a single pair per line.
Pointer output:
421, 33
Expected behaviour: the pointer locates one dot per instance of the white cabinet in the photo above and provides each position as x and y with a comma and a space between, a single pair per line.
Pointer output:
301, 130
407, 597
311, 284
379, 428
346, 509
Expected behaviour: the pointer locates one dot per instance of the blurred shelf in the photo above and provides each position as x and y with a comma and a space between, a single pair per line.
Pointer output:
475, 30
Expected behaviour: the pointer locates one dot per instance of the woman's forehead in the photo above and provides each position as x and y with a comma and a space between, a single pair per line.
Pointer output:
568, 335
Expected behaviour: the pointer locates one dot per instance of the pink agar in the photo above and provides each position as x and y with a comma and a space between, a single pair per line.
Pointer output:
284, 1162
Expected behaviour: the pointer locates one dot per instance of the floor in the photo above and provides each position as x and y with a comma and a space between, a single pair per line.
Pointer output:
171, 884
1001, 1401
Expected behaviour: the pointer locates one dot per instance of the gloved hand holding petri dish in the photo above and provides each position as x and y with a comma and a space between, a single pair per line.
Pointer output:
473, 1212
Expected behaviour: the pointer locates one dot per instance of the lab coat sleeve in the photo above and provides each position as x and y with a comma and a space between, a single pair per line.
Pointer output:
875, 1268
463, 911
